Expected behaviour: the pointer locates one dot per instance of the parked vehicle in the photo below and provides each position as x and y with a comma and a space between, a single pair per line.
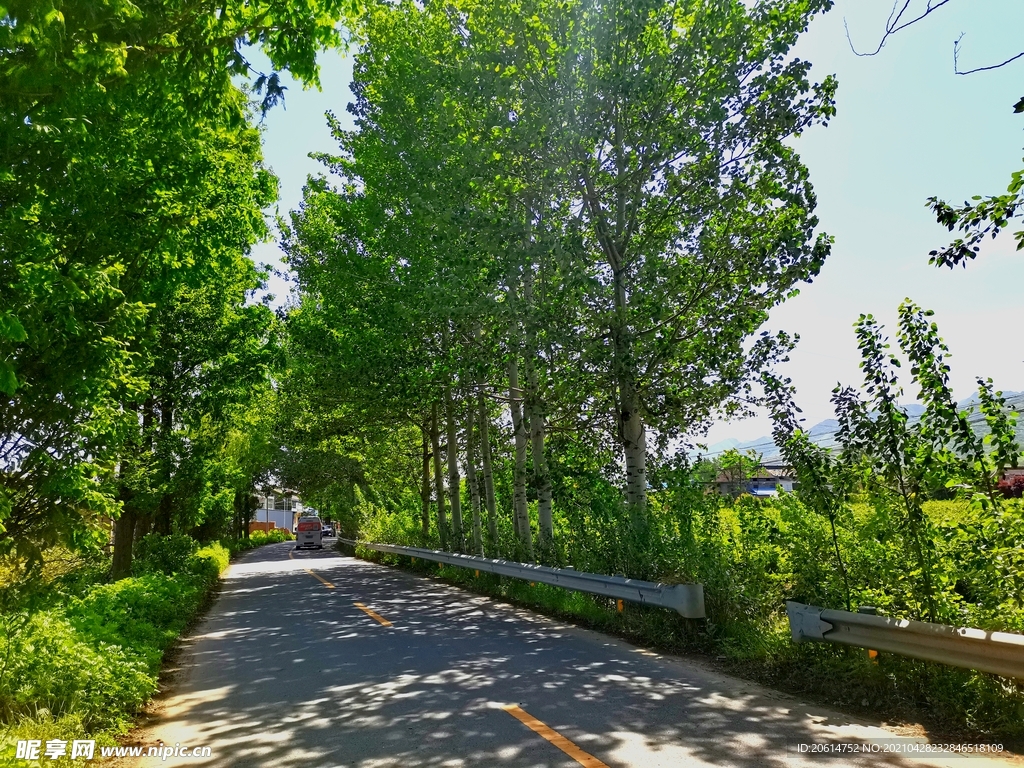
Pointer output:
328, 530
309, 533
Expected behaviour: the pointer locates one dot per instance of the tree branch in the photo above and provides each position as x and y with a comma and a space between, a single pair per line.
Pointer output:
895, 23
956, 60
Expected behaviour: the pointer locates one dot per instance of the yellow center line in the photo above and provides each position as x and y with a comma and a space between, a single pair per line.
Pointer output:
583, 758
372, 614
325, 582
315, 576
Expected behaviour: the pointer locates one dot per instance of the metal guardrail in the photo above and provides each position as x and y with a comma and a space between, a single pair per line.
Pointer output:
686, 599
1001, 653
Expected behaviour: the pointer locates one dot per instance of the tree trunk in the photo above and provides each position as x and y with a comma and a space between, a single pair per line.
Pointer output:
124, 540
485, 452
632, 431
537, 420
454, 480
249, 512
164, 515
521, 510
143, 525
634, 442
435, 442
240, 504
425, 488
124, 526
471, 481
541, 479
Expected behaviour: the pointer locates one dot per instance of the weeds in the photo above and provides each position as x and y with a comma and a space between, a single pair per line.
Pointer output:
82, 656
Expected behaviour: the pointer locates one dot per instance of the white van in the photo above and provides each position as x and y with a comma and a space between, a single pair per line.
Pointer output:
309, 533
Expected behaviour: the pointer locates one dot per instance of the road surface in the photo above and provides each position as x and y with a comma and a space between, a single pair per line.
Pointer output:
314, 659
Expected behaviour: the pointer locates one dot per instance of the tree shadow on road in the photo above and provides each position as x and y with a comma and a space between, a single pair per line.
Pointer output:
289, 672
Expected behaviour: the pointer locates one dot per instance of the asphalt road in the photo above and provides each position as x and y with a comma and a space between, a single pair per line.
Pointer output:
289, 670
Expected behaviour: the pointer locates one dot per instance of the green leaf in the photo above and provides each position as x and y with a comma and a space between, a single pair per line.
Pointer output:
8, 381
12, 328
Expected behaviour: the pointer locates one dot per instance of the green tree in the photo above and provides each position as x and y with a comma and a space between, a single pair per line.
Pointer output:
698, 216
119, 125
590, 208
899, 462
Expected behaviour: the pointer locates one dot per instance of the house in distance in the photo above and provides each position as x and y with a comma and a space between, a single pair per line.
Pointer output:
765, 480
277, 508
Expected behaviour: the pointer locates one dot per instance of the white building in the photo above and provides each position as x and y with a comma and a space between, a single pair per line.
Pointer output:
278, 506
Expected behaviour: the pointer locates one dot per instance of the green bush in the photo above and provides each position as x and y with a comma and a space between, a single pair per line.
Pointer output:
53, 666
752, 555
256, 539
163, 554
210, 562
44, 726
93, 661
274, 536
143, 613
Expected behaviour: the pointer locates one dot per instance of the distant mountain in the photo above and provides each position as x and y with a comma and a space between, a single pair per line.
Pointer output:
823, 433
826, 427
762, 445
974, 400
723, 445
820, 433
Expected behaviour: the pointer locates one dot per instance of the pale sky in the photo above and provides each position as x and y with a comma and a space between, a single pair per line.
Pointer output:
907, 128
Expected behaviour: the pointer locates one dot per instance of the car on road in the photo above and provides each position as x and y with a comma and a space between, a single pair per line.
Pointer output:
328, 530
309, 533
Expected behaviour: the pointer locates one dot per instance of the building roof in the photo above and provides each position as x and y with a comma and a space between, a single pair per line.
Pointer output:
276, 491
736, 475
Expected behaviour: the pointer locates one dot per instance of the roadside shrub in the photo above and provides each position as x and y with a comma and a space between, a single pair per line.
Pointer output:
256, 539
163, 554
210, 562
53, 666
88, 665
44, 726
752, 555
392, 527
274, 536
143, 614
84, 664
768, 551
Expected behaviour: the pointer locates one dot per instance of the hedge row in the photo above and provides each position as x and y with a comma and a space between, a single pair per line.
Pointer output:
85, 664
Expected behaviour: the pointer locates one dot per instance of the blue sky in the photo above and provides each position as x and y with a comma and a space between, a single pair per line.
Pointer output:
907, 128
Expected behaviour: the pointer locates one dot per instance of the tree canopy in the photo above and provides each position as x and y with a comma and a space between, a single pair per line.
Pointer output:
570, 216
132, 187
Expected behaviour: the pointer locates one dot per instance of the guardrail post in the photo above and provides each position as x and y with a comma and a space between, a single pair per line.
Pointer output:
870, 610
